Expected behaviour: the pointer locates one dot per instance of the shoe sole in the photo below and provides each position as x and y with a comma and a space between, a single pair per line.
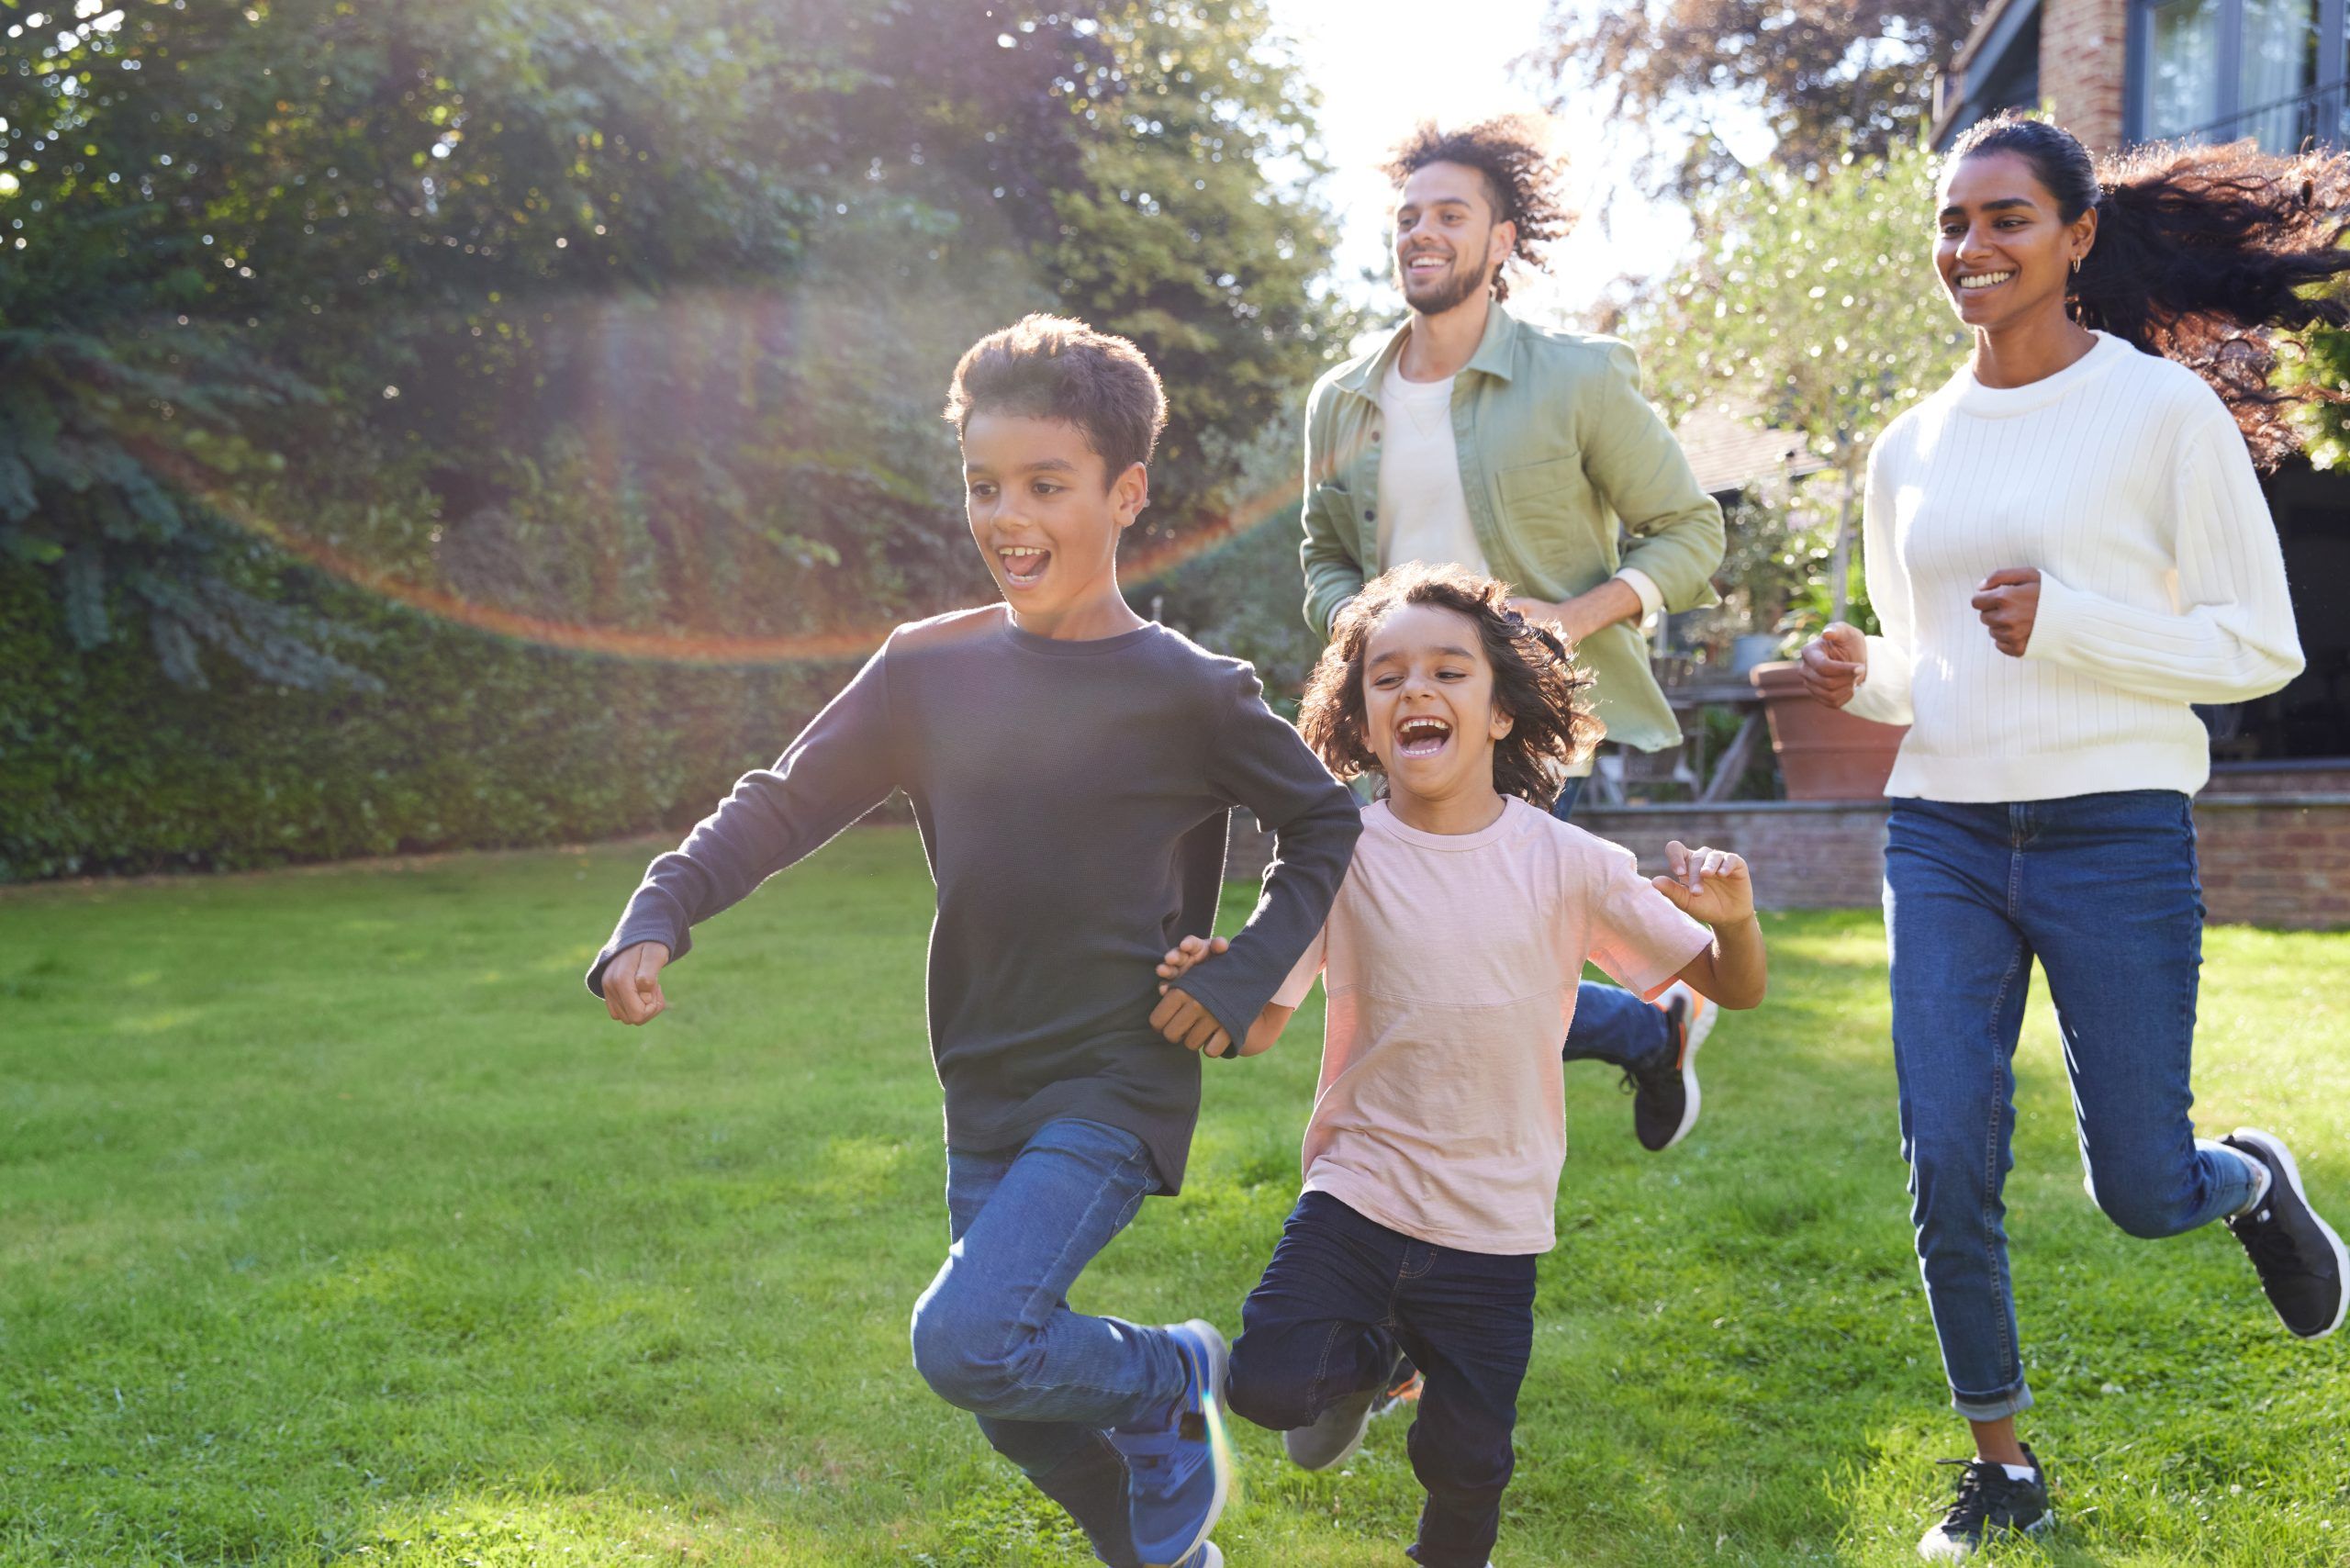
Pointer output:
2275, 1145
1700, 1025
1220, 1459
2040, 1526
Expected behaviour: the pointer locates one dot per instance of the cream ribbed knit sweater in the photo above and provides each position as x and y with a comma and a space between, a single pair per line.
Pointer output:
2123, 480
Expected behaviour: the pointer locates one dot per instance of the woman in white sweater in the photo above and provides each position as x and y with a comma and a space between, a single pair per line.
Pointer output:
2066, 546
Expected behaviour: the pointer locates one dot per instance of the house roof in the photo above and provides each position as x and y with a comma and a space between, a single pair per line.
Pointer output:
1730, 451
1996, 33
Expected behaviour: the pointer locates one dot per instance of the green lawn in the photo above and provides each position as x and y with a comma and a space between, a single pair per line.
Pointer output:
336, 1225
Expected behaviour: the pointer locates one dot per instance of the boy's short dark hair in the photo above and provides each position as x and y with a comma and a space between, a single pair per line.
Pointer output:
1051, 367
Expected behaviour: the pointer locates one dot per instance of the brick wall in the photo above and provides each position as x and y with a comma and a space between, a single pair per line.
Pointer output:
2083, 62
2275, 860
1804, 854
2279, 860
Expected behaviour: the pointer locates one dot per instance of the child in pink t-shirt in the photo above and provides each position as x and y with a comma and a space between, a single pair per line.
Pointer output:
1450, 961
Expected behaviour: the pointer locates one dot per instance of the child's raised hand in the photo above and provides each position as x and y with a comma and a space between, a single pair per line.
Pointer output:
1184, 955
1710, 885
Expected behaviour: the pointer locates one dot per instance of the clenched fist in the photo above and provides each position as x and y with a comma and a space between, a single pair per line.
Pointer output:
632, 983
1835, 663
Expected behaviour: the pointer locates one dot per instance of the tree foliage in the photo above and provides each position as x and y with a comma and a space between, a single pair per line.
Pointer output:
1831, 76
1813, 306
632, 315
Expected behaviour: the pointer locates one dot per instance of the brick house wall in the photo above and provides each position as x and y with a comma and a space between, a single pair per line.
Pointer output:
2084, 52
2275, 859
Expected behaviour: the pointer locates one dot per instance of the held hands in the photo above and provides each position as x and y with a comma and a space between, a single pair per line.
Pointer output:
632, 983
2008, 603
1707, 885
1835, 663
1178, 1017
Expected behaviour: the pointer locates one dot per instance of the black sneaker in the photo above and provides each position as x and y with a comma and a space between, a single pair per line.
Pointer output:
1664, 1094
1990, 1502
2301, 1264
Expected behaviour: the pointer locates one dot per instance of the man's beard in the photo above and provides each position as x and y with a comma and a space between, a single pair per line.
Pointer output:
1457, 287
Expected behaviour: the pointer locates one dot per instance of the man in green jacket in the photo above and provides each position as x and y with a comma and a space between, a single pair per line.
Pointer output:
1529, 455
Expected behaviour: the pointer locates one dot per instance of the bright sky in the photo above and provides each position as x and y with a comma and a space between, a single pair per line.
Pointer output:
1381, 64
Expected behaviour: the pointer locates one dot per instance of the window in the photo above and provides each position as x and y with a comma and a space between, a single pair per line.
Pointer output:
2182, 93
2219, 70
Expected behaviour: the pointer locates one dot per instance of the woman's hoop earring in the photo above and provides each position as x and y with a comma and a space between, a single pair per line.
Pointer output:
2076, 266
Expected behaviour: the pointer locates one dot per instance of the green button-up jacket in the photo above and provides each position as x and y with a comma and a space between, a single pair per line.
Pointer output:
1560, 455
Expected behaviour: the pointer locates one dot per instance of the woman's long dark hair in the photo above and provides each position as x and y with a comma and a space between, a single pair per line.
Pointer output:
2202, 253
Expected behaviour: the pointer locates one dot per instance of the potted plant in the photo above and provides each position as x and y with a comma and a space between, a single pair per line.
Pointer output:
1825, 754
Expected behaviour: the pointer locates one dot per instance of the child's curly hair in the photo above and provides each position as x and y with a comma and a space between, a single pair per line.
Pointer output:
1536, 681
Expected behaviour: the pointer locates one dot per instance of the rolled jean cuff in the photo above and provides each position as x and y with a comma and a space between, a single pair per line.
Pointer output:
1992, 1407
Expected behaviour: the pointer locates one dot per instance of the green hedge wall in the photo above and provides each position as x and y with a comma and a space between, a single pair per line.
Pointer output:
473, 741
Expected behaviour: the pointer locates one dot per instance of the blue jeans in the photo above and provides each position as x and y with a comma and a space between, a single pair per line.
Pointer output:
994, 1334
1610, 1024
2102, 891
1342, 1294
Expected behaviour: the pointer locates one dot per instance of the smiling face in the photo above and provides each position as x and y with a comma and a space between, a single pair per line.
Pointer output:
1428, 710
2005, 252
1447, 241
1046, 516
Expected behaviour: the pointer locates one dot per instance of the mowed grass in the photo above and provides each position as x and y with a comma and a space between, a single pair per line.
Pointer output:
336, 1225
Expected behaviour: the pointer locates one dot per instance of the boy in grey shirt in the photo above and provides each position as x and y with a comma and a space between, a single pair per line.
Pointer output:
1072, 767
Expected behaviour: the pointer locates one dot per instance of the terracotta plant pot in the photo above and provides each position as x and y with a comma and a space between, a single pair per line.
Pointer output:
1824, 752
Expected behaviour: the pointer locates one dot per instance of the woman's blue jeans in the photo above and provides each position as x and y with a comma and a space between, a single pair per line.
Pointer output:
2102, 891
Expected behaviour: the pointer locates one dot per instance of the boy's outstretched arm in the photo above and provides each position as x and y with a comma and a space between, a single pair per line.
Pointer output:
1713, 885
843, 765
1257, 760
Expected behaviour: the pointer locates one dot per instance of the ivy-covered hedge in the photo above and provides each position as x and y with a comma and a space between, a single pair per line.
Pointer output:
472, 741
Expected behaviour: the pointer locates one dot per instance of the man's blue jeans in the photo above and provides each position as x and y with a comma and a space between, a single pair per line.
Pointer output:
1610, 1024
994, 1334
2102, 891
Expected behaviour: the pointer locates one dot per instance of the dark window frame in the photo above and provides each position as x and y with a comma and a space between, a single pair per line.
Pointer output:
2333, 58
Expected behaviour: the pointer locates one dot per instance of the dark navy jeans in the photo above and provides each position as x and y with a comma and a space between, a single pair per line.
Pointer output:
994, 1334
1342, 1294
1610, 1024
2101, 890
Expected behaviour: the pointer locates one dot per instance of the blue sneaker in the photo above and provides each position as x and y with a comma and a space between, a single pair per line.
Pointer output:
1179, 1473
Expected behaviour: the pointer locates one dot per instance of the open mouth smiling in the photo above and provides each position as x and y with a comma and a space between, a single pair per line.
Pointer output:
1421, 735
1970, 283
1023, 563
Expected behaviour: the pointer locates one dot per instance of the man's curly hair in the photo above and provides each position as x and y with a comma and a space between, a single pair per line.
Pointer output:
1523, 176
1536, 681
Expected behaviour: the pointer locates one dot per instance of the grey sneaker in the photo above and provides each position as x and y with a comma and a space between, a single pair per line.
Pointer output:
1333, 1440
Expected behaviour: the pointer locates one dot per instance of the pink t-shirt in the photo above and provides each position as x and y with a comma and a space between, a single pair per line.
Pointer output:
1450, 962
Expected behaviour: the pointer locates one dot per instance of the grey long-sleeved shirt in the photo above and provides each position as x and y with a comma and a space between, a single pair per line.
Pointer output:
1073, 799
